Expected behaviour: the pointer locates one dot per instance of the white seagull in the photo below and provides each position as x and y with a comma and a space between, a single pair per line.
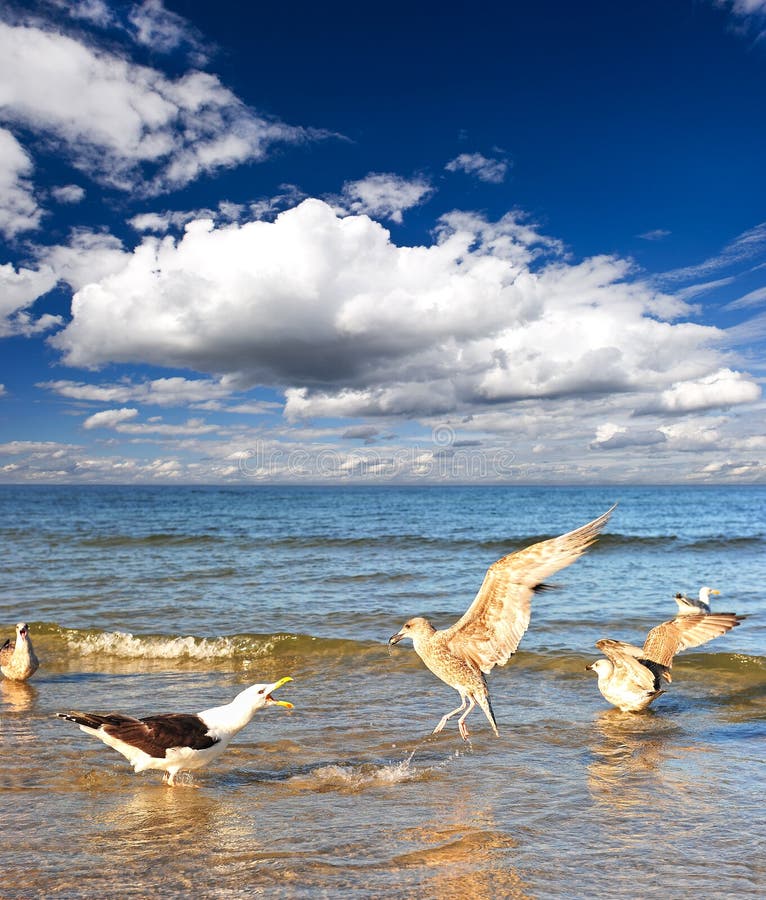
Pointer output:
688, 606
17, 660
489, 632
630, 677
175, 741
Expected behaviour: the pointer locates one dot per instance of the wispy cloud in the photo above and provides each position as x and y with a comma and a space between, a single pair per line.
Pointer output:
174, 391
484, 168
127, 126
753, 298
748, 246
384, 195
19, 210
655, 235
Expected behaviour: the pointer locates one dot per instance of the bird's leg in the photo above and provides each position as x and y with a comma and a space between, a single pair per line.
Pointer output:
461, 721
444, 719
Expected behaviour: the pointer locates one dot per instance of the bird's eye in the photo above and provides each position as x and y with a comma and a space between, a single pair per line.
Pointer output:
261, 690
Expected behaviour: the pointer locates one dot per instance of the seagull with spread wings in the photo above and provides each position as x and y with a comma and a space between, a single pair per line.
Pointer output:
630, 677
488, 634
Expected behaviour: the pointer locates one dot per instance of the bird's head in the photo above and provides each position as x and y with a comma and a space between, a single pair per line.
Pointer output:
22, 630
705, 593
600, 667
415, 628
259, 695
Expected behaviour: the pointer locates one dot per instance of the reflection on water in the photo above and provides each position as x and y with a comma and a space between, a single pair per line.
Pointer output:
648, 760
628, 754
457, 862
16, 699
16, 696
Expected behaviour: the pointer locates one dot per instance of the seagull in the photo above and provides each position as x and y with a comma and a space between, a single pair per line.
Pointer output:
630, 677
175, 741
688, 606
18, 661
488, 634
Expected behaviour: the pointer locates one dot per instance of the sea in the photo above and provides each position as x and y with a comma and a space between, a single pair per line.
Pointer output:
145, 600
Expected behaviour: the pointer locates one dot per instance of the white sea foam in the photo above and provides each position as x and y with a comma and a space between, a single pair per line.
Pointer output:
352, 778
128, 646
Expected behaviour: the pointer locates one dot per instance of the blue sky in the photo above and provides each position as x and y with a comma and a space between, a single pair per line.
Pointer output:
515, 242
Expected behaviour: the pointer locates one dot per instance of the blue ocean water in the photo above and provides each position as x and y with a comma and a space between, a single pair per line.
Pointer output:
352, 562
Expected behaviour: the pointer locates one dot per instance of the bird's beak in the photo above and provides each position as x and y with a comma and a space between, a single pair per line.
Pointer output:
589, 668
395, 638
715, 592
271, 701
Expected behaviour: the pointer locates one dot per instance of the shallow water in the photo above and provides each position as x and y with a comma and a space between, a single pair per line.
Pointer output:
154, 600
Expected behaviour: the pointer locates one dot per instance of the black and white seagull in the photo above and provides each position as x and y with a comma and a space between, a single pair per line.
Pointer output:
691, 606
17, 660
172, 742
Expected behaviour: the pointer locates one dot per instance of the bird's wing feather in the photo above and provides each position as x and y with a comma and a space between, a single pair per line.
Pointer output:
663, 642
6, 651
491, 628
156, 734
623, 658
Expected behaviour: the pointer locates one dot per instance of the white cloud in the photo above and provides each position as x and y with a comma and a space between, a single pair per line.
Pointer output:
15, 448
19, 211
96, 12
2, 390
745, 247
719, 389
484, 168
385, 195
753, 298
751, 12
121, 420
616, 437
657, 234
18, 291
89, 256
124, 125
190, 427
109, 418
351, 324
175, 391
158, 28
693, 435
68, 193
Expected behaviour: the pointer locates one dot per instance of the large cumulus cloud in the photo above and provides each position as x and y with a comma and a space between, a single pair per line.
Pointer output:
329, 308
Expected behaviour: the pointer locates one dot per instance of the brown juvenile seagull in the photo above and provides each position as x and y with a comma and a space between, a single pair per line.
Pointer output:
17, 660
176, 741
489, 632
630, 678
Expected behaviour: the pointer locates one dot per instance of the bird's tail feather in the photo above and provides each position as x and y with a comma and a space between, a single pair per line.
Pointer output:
91, 720
486, 704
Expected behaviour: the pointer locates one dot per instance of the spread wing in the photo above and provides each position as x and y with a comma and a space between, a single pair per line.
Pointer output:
626, 665
663, 642
489, 632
